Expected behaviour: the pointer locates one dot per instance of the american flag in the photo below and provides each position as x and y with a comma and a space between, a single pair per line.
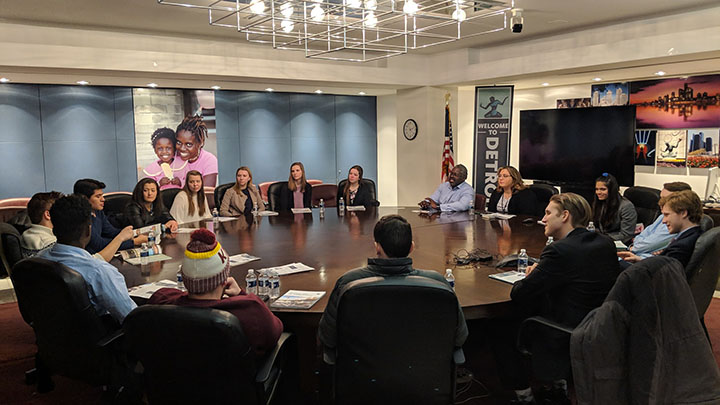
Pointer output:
448, 159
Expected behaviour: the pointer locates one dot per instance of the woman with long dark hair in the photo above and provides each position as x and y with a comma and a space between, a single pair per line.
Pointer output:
298, 193
355, 192
147, 208
613, 214
190, 204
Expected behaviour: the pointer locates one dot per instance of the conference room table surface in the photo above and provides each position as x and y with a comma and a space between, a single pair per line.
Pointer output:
335, 244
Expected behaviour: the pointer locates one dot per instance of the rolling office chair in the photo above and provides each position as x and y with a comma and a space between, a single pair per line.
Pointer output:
274, 194
201, 355
114, 209
10, 249
645, 200
395, 342
168, 196
72, 339
703, 270
480, 201
366, 183
543, 193
263, 187
219, 193
328, 192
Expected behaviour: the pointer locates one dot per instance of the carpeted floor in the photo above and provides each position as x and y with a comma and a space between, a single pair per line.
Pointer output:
17, 350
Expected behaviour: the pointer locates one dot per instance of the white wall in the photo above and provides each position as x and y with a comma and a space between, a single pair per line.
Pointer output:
387, 181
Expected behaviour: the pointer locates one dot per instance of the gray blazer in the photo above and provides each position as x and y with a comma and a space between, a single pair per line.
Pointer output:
623, 226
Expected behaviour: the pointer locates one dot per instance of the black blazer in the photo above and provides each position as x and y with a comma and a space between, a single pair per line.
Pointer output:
574, 276
682, 247
362, 197
286, 198
523, 202
138, 216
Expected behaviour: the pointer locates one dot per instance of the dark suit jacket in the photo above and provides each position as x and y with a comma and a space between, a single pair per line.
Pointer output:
362, 197
523, 202
573, 277
286, 198
682, 247
139, 217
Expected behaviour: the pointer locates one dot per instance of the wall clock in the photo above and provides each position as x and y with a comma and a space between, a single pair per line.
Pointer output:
410, 129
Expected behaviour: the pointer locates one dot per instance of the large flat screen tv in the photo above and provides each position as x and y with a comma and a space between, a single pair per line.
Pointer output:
577, 145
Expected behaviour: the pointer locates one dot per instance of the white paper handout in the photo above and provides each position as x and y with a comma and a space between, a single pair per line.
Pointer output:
242, 258
147, 290
355, 208
301, 210
497, 215
267, 213
289, 269
298, 299
510, 277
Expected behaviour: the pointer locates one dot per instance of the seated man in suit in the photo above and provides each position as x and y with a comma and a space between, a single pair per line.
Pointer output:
393, 243
573, 277
681, 212
205, 270
108, 293
656, 237
40, 235
103, 232
453, 195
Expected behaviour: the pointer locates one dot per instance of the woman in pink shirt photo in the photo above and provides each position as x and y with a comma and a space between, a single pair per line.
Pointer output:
190, 138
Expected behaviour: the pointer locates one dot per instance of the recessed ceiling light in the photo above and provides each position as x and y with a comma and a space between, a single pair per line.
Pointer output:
215, 87
659, 73
362, 93
4, 80
154, 64
153, 85
545, 84
597, 79
82, 82
270, 89
318, 91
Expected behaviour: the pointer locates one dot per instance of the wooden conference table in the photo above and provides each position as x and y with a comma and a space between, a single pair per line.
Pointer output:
335, 244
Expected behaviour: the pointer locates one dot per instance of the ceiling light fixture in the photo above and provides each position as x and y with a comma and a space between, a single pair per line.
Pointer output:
318, 91
215, 87
82, 82
4, 80
597, 79
545, 84
270, 89
362, 93
660, 73
153, 85
337, 30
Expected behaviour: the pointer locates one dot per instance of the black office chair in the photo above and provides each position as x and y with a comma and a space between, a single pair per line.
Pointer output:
200, 355
326, 192
168, 196
72, 339
645, 200
703, 269
395, 342
274, 194
115, 203
480, 202
543, 192
219, 193
10, 249
706, 223
366, 183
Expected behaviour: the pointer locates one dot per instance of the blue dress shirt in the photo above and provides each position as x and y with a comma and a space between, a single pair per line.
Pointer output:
654, 237
106, 286
456, 198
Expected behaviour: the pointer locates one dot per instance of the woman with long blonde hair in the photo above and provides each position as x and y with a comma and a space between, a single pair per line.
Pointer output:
190, 204
298, 193
243, 197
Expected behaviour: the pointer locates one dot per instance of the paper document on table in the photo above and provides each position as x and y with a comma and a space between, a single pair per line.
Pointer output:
289, 269
497, 215
157, 228
298, 299
620, 246
242, 258
150, 259
267, 213
301, 210
186, 230
222, 219
510, 277
421, 211
147, 290
355, 208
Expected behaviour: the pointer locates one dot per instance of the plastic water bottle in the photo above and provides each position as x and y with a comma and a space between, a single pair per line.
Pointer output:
144, 254
180, 284
341, 206
322, 208
450, 278
215, 215
275, 281
522, 261
472, 209
262, 282
591, 226
251, 282
550, 240
255, 209
151, 239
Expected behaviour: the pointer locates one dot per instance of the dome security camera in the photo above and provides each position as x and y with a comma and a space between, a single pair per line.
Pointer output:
516, 20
